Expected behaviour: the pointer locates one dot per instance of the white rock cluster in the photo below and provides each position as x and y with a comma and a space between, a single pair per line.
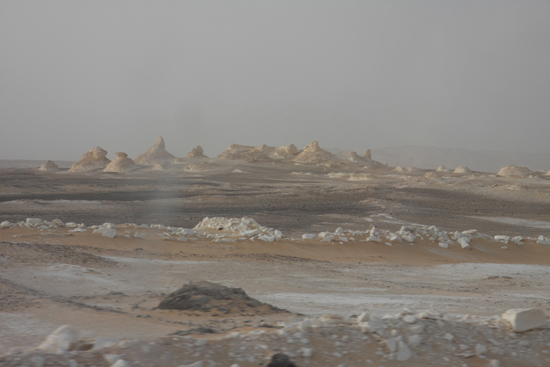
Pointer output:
229, 230
242, 229
415, 336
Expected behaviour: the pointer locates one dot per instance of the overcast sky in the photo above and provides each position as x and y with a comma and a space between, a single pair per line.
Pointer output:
351, 74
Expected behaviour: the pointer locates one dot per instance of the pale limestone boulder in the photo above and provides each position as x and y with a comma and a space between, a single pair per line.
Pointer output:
196, 152
49, 166
367, 154
157, 154
120, 164
60, 340
523, 319
93, 159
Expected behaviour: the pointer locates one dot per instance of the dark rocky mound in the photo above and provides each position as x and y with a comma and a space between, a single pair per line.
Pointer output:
204, 296
280, 360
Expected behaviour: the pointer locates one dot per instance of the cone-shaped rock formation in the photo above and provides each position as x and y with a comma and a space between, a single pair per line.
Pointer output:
157, 154
120, 164
196, 152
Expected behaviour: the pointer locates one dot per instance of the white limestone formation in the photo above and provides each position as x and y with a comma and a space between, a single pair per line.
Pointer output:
514, 171
443, 169
121, 164
286, 152
49, 166
95, 158
367, 154
246, 152
157, 154
196, 152
313, 153
463, 170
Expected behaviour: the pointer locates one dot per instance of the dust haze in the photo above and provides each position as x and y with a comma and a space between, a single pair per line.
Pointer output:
352, 75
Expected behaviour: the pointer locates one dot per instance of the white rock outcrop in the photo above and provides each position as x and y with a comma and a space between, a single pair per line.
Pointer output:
514, 171
157, 154
523, 319
287, 152
462, 170
313, 153
120, 164
95, 158
49, 166
196, 152
442, 168
246, 152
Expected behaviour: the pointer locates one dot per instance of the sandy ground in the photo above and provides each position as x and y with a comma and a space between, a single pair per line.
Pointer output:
109, 287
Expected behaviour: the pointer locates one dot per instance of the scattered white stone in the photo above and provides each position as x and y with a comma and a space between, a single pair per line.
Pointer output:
431, 315
518, 240
5, 224
403, 352
480, 349
443, 245
502, 238
60, 340
543, 240
409, 237
464, 243
417, 329
307, 352
409, 319
391, 344
140, 235
395, 238
34, 221
363, 317
374, 239
309, 236
523, 319
196, 364
121, 363
415, 340
448, 336
111, 233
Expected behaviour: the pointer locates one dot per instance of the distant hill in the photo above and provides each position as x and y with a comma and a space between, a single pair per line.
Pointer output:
432, 157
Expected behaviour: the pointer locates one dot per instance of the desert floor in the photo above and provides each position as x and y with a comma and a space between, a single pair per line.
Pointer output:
109, 288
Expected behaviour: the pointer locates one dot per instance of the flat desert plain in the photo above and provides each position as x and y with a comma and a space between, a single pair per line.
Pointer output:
346, 266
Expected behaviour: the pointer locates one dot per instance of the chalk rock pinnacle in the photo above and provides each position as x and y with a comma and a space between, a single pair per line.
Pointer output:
157, 154
196, 152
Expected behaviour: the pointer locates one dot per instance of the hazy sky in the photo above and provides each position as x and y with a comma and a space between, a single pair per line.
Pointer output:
351, 74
